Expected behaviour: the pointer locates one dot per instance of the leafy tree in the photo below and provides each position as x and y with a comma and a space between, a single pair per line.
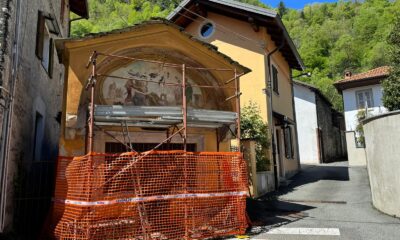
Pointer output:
282, 8
360, 137
391, 85
331, 37
252, 126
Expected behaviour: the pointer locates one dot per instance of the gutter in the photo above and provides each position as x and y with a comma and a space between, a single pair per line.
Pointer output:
268, 91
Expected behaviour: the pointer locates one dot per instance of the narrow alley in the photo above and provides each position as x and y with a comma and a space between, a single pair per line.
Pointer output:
329, 201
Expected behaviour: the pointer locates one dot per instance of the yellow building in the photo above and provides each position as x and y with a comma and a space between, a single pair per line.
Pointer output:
257, 38
128, 91
138, 93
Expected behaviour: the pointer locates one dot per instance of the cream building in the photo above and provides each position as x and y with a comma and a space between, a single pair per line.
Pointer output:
257, 38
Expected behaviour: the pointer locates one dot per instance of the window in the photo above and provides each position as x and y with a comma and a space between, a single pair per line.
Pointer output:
364, 99
275, 79
207, 30
38, 137
46, 26
289, 153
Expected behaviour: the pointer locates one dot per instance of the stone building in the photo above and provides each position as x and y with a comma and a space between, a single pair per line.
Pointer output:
31, 93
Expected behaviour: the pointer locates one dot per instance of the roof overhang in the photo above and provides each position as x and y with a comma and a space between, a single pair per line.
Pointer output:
183, 16
62, 45
79, 7
314, 89
340, 86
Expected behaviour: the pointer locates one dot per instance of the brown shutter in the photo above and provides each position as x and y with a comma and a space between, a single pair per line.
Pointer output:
51, 53
39, 35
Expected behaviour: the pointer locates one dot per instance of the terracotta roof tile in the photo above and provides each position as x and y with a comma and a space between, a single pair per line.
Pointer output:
379, 72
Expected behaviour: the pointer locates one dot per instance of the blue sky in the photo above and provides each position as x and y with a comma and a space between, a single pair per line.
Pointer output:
294, 3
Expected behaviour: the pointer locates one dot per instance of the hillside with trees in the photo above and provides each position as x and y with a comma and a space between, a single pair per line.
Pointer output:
331, 37
347, 35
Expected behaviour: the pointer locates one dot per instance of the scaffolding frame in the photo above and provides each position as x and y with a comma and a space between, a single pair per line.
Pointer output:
178, 129
91, 85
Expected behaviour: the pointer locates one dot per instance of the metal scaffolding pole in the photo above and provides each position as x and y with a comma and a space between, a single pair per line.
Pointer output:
92, 85
238, 93
184, 113
184, 107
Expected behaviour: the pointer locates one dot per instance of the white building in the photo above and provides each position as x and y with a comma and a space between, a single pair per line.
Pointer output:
360, 92
320, 128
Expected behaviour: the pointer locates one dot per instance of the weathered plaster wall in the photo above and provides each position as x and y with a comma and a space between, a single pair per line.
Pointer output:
355, 155
306, 116
151, 41
34, 92
329, 124
382, 152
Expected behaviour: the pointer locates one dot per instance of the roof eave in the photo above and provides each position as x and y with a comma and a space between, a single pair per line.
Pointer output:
77, 9
291, 44
340, 86
255, 10
61, 48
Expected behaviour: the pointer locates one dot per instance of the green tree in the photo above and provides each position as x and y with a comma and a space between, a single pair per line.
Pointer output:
391, 85
330, 37
282, 8
252, 126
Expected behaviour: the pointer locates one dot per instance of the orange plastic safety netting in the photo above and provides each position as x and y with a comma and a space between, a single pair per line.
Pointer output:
158, 195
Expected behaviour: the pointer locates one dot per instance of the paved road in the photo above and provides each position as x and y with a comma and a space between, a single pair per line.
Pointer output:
325, 202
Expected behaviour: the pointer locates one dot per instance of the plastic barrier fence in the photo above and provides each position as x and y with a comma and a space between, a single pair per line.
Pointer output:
158, 195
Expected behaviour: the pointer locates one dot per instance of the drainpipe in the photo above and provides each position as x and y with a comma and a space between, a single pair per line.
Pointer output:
8, 110
268, 91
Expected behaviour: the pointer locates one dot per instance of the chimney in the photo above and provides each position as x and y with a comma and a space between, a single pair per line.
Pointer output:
347, 74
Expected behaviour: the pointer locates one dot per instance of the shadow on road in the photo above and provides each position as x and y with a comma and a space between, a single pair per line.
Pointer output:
310, 174
267, 214
269, 211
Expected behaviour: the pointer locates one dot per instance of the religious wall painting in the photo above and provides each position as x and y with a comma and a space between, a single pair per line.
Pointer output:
137, 90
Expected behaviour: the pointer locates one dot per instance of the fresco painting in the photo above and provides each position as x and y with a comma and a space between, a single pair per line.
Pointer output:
136, 92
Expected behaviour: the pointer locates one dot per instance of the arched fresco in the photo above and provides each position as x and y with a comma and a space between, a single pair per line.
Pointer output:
149, 84
115, 91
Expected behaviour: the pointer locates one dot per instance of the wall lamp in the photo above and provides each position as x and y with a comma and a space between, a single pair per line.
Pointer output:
307, 74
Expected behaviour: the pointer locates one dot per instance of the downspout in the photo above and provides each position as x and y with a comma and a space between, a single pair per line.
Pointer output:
8, 111
268, 85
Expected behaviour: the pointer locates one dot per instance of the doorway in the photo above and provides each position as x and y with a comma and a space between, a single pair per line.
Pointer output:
279, 153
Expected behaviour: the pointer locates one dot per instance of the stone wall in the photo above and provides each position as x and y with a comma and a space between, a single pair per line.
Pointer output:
329, 122
29, 182
382, 138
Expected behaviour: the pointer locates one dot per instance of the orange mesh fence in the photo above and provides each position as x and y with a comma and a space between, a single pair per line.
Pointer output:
158, 195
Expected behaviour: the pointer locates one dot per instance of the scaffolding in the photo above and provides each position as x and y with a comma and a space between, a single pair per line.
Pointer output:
153, 194
161, 117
